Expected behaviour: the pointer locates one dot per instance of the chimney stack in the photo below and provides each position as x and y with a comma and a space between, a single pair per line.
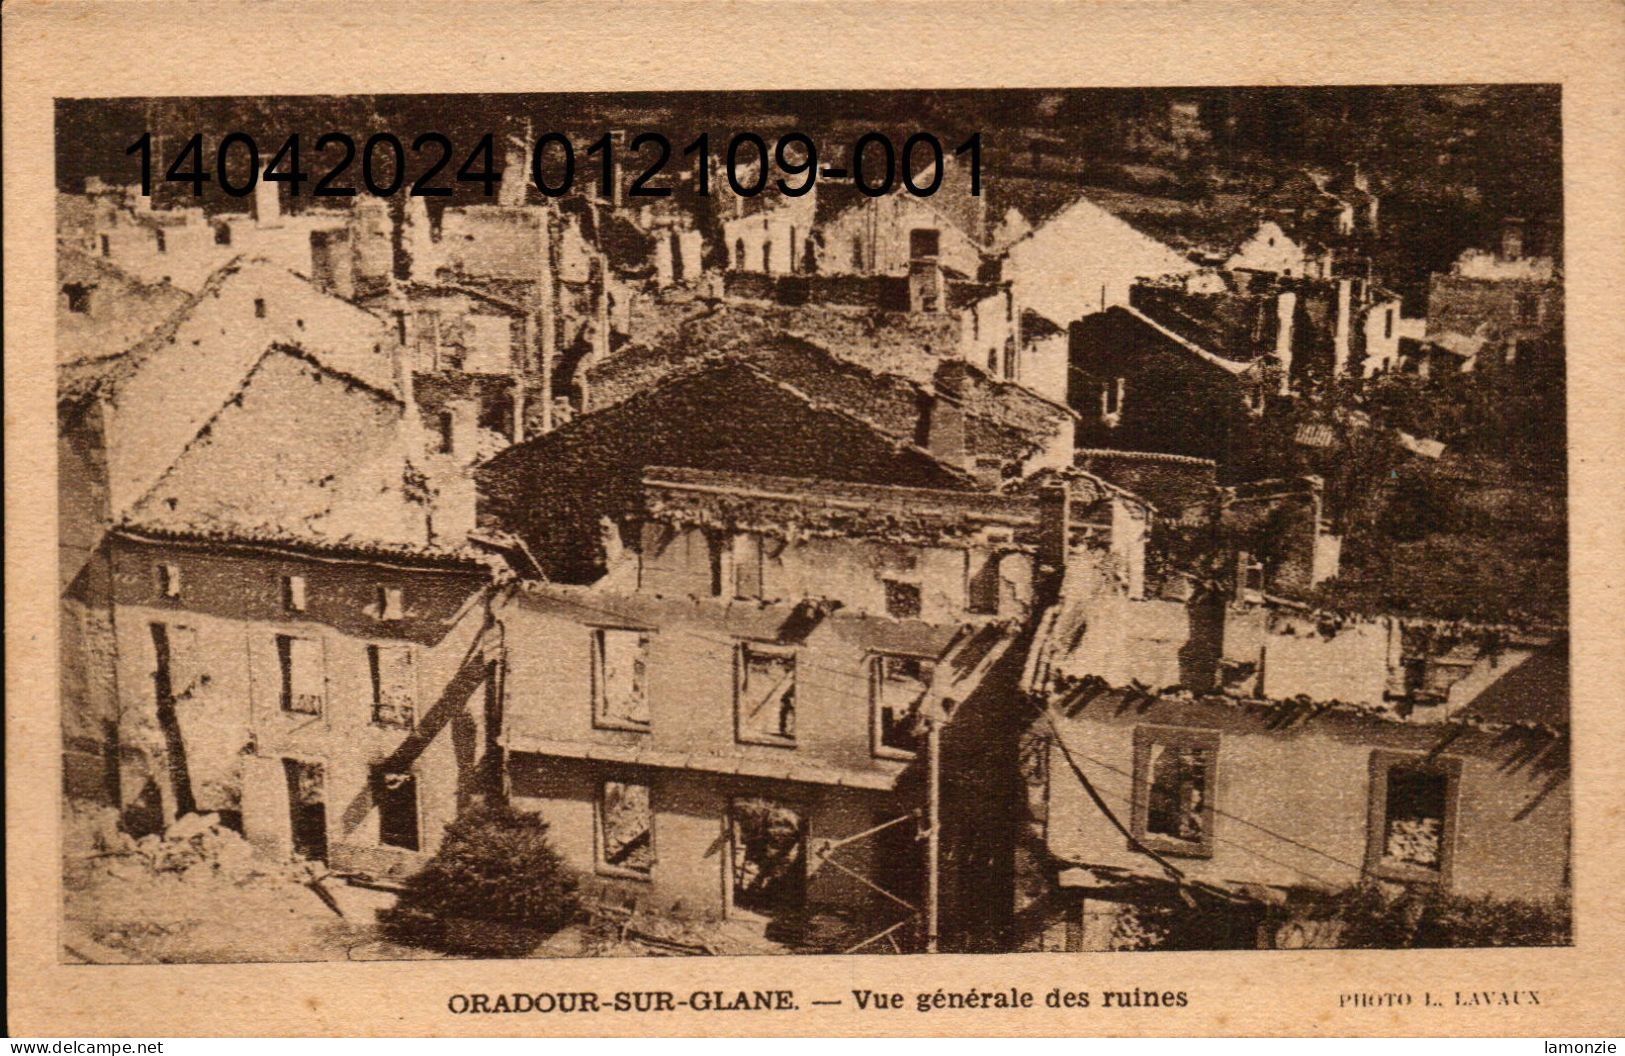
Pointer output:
1340, 335
515, 174
1054, 532
1286, 307
1511, 239
617, 139
267, 203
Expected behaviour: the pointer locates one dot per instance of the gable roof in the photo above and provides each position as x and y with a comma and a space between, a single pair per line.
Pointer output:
104, 377
1005, 421
1229, 365
300, 455
555, 491
124, 308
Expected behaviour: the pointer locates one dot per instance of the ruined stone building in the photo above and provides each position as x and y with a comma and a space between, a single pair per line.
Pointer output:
1495, 309
721, 725
126, 410
880, 587
185, 246
299, 625
739, 584
1241, 756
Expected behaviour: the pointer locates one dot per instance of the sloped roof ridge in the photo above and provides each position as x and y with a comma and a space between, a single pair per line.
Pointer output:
235, 399
1186, 343
898, 443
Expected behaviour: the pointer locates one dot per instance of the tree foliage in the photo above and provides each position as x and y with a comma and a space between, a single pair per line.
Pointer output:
495, 864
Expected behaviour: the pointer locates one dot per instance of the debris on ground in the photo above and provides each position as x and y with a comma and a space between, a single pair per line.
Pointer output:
193, 845
623, 928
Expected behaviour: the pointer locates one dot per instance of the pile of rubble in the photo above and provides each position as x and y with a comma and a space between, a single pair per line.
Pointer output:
194, 845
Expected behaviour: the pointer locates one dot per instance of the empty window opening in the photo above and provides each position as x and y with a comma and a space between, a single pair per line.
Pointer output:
163, 243
739, 254
1388, 323
857, 252
899, 685
625, 829
107, 246
924, 242
620, 678
747, 565
767, 256
293, 593
169, 581
1413, 819
446, 430
78, 294
1528, 308
982, 583
902, 599
1111, 396
303, 678
766, 697
222, 234
1178, 792
396, 795
394, 685
768, 851
1174, 789
391, 603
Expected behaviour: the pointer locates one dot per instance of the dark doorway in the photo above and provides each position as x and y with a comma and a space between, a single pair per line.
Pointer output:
397, 798
769, 856
307, 809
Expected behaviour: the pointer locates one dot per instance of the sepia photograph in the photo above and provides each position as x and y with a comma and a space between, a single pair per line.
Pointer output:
721, 523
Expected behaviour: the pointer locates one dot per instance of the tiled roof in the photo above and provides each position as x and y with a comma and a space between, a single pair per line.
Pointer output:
85, 379
1006, 421
300, 455
555, 491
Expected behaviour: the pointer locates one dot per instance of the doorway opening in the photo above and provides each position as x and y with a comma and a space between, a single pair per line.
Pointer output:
307, 808
768, 857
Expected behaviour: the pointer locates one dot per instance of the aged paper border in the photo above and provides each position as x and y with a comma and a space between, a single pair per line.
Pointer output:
67, 48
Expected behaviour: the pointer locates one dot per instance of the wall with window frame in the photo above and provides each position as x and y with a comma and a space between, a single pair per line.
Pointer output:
1310, 781
234, 604
692, 674
689, 814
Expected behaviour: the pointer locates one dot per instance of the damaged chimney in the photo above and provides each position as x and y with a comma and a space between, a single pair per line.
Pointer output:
515, 174
1286, 307
1512, 238
267, 204
942, 427
1054, 532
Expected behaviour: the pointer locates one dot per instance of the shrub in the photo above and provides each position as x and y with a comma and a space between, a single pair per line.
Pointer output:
495, 864
1372, 918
